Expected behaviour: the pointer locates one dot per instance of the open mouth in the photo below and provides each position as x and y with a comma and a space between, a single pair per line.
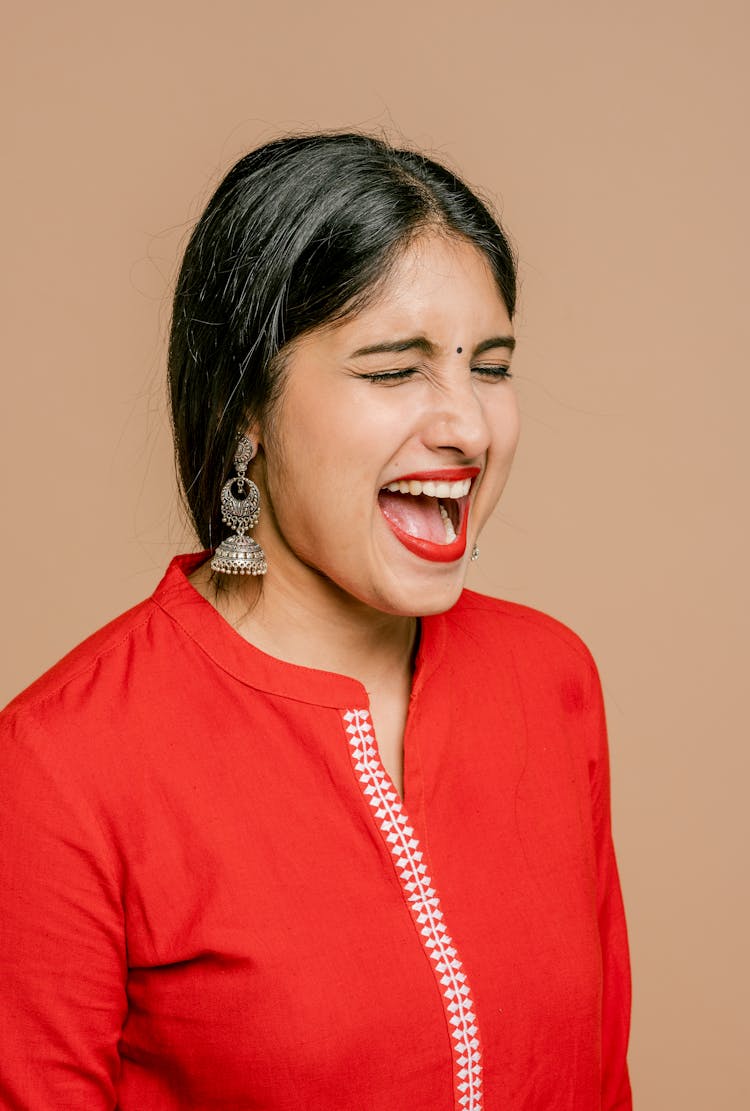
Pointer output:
429, 515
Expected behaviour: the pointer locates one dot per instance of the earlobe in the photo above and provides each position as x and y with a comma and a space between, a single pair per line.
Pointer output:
254, 434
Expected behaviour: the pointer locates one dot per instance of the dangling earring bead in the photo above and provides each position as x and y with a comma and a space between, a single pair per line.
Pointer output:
240, 554
475, 553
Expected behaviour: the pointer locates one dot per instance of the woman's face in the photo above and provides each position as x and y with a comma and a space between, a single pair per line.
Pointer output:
356, 436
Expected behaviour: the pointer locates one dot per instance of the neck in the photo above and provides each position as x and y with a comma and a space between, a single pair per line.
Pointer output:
316, 625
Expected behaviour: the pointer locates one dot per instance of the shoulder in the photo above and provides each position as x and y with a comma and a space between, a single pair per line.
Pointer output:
549, 660
122, 662
503, 624
92, 663
83, 734
62, 738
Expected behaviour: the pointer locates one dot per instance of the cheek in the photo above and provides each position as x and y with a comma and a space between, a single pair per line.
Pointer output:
317, 484
514, 432
506, 431
329, 446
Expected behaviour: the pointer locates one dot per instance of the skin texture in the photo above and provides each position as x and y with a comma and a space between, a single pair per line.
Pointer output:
342, 593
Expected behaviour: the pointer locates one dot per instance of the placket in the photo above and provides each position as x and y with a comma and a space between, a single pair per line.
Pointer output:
423, 902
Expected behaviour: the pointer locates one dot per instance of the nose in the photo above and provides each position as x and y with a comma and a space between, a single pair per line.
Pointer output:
456, 421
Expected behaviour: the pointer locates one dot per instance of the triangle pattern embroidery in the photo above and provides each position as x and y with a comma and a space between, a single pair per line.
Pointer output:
424, 905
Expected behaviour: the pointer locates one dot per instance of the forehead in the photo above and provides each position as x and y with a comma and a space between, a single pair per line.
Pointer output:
440, 288
443, 287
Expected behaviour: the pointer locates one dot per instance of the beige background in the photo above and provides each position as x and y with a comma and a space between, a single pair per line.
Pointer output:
614, 138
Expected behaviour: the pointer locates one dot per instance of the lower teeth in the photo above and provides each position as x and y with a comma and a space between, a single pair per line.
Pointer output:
450, 532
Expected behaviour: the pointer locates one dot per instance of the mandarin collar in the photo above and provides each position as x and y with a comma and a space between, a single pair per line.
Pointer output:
203, 623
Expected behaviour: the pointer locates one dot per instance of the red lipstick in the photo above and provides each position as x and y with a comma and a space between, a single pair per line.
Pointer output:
428, 549
446, 474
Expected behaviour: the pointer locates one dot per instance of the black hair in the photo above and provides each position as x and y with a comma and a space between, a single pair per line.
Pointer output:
300, 233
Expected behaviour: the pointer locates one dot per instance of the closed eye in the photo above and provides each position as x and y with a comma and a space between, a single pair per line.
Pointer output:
407, 372
493, 371
390, 375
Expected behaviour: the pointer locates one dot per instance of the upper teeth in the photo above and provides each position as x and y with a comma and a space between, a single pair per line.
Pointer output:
432, 489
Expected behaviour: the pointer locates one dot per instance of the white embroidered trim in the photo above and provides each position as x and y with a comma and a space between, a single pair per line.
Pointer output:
425, 907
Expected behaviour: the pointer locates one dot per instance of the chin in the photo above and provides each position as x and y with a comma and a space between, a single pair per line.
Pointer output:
420, 598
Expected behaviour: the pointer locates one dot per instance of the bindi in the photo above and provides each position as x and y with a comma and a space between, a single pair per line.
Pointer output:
459, 350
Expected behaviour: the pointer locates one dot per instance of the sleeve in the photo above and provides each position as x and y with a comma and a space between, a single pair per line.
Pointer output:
616, 998
62, 938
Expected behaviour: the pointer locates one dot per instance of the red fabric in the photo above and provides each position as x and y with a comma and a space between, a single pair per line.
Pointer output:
199, 910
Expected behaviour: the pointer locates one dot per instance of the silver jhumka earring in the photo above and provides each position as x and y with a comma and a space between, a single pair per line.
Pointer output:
474, 553
240, 509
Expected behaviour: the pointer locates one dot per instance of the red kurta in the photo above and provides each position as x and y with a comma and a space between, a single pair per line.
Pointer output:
211, 895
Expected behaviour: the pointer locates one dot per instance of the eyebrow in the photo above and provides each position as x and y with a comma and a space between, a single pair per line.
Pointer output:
421, 343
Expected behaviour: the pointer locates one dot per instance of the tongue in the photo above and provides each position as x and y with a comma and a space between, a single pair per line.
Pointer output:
418, 516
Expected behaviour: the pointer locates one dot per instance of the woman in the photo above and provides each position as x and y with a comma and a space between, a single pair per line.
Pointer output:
218, 888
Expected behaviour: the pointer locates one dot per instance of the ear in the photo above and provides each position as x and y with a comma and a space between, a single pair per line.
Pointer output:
254, 433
